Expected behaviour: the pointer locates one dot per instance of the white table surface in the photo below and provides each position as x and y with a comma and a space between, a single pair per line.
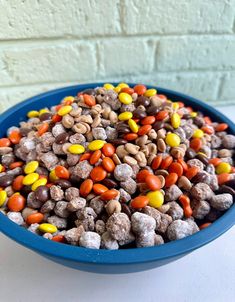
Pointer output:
208, 274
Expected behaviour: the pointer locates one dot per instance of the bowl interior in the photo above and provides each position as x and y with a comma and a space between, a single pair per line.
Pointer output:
18, 113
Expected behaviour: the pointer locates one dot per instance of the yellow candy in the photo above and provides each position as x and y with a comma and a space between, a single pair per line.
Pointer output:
150, 92
43, 111
76, 149
108, 86
32, 113
30, 179
17, 193
156, 199
38, 183
133, 126
175, 106
223, 168
175, 120
125, 116
203, 154
117, 89
193, 114
1, 168
52, 176
64, 110
198, 133
68, 99
96, 145
3, 197
125, 98
172, 140
31, 167
123, 85
47, 228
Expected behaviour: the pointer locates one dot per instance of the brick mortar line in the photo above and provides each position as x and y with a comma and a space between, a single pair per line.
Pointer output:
107, 37
220, 86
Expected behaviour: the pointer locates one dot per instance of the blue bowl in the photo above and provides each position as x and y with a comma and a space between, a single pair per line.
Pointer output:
105, 261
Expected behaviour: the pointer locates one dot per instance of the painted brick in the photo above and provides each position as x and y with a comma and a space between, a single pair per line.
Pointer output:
202, 85
5, 77
52, 18
182, 16
228, 87
125, 56
52, 62
14, 95
196, 52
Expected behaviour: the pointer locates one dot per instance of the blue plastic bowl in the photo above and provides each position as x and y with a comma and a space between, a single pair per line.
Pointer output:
104, 261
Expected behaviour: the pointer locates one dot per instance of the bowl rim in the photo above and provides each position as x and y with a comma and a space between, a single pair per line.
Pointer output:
133, 256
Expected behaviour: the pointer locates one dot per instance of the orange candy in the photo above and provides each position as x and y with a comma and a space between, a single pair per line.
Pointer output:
16, 203
140, 89
166, 162
171, 179
185, 201
108, 150
208, 130
131, 136
156, 162
85, 156
5, 142
43, 128
148, 120
99, 189
221, 127
140, 202
204, 225
181, 104
127, 90
223, 178
34, 218
192, 172
163, 97
49, 185
16, 165
141, 176
62, 172
68, 102
153, 182
86, 187
207, 120
15, 137
95, 156
17, 184
108, 164
58, 238
144, 130
215, 161
108, 195
98, 173
161, 115
57, 108
89, 100
56, 118
183, 164
176, 168
196, 144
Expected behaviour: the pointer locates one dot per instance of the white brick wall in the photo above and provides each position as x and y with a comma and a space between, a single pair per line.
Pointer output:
186, 45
